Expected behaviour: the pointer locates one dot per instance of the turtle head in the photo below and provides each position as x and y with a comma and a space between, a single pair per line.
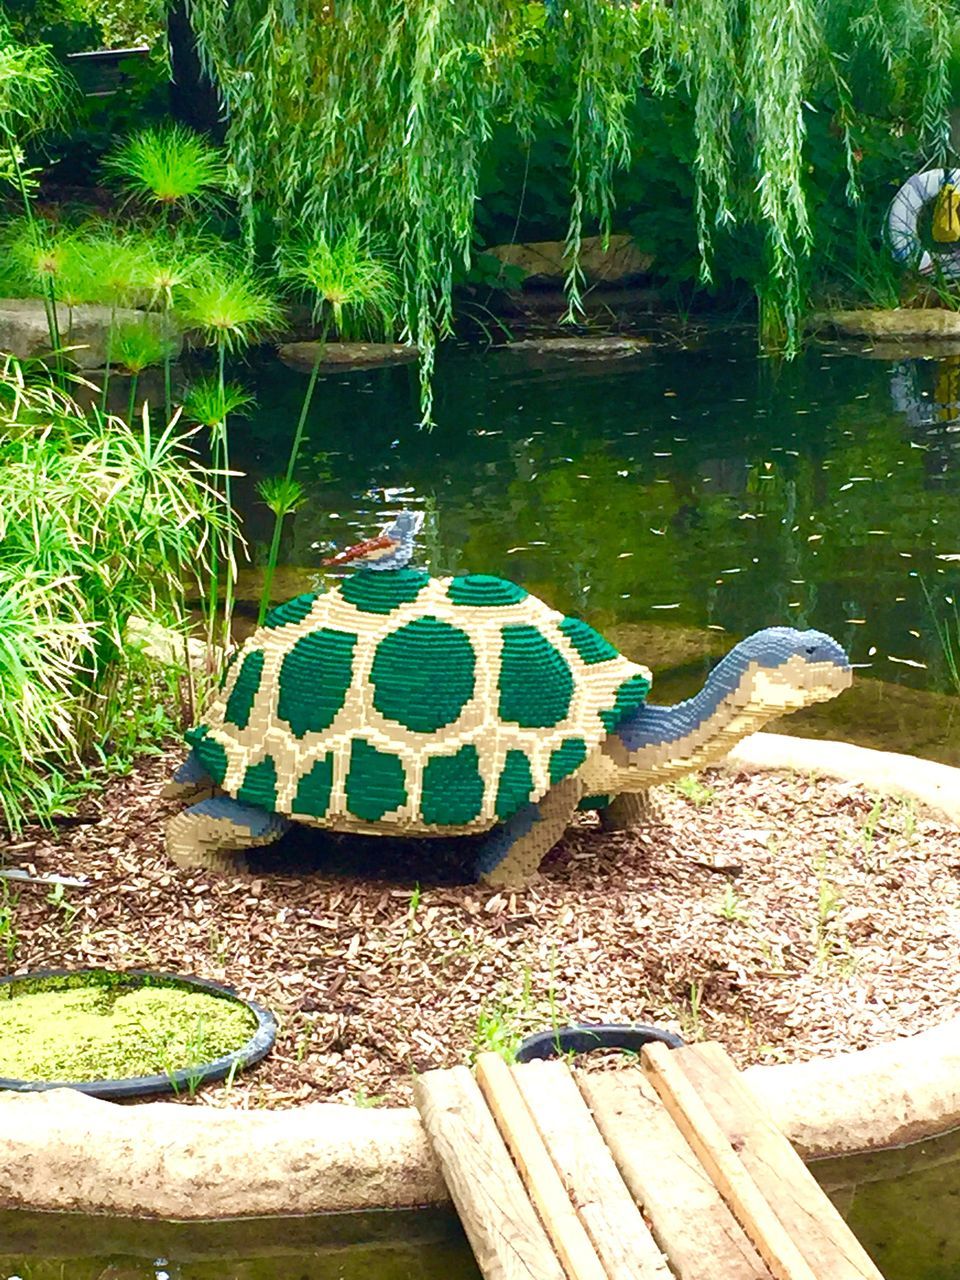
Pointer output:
785, 669
392, 548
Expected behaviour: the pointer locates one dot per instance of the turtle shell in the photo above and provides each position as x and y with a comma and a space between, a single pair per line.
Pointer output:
399, 703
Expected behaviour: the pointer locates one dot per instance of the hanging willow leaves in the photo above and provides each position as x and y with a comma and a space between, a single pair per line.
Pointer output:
377, 113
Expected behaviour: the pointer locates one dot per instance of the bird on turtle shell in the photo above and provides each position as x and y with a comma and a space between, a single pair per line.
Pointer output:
402, 705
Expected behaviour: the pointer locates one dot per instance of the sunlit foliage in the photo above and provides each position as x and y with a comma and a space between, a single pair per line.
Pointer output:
363, 111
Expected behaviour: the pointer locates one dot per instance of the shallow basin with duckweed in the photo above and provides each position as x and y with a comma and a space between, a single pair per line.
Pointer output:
116, 1034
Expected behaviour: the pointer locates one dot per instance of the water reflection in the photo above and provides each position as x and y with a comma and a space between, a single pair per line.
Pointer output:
903, 1206
701, 489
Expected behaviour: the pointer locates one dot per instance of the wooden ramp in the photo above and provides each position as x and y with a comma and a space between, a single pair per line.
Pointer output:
672, 1171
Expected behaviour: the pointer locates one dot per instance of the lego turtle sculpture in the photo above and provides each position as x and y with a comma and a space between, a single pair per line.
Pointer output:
398, 704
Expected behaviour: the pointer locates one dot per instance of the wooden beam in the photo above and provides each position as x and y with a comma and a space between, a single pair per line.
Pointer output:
603, 1203
540, 1177
716, 1154
506, 1236
823, 1237
690, 1221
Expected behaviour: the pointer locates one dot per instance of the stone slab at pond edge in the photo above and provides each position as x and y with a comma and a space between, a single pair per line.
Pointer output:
62, 1151
302, 356
83, 329
898, 323
548, 261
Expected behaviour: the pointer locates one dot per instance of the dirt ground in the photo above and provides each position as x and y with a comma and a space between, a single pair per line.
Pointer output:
784, 916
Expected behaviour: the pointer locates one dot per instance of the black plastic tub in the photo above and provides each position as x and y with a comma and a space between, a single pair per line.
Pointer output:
585, 1037
185, 1080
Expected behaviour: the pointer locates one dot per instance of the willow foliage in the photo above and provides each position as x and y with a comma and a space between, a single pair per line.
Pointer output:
378, 111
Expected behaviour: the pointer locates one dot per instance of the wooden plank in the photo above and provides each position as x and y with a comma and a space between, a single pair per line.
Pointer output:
823, 1237
605, 1207
689, 1219
540, 1177
503, 1229
718, 1157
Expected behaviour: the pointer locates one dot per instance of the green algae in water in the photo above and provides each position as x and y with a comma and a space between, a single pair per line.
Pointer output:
111, 1032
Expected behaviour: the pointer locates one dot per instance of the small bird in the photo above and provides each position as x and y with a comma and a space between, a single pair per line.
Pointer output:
392, 548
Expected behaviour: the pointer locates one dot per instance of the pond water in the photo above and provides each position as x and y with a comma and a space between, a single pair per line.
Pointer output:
678, 501
903, 1205
426, 1245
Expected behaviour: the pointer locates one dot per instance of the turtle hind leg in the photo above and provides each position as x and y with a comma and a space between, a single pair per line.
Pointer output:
215, 834
512, 852
628, 810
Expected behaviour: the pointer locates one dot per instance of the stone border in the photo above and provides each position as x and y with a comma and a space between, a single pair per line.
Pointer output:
62, 1151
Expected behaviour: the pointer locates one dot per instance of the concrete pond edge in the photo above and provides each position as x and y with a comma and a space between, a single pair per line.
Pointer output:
62, 1151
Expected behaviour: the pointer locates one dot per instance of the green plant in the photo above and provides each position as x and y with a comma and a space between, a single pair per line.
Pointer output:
57, 898
691, 1016
283, 496
505, 1018
730, 905
99, 525
33, 95
232, 306
831, 945
870, 823
773, 113
412, 909
363, 1099
210, 402
692, 789
946, 625
133, 347
351, 288
169, 165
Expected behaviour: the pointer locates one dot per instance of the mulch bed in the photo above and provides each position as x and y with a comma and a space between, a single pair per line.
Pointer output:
784, 916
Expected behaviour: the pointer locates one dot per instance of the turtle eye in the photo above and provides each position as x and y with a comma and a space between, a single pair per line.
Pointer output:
811, 649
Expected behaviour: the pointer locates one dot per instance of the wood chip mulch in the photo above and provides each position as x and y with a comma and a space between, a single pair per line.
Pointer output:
784, 916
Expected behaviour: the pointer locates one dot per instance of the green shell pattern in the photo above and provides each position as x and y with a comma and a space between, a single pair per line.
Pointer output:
398, 702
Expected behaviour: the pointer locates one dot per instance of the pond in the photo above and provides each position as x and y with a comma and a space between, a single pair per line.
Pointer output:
678, 500
903, 1206
426, 1245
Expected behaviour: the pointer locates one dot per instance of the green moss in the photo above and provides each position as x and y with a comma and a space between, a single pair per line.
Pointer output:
112, 1032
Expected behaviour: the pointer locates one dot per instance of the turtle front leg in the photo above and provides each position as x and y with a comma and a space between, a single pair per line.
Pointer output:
628, 810
513, 851
214, 834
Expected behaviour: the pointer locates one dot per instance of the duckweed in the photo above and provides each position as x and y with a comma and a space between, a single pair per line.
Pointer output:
105, 1032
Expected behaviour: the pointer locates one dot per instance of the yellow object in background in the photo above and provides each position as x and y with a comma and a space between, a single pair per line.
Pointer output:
946, 215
